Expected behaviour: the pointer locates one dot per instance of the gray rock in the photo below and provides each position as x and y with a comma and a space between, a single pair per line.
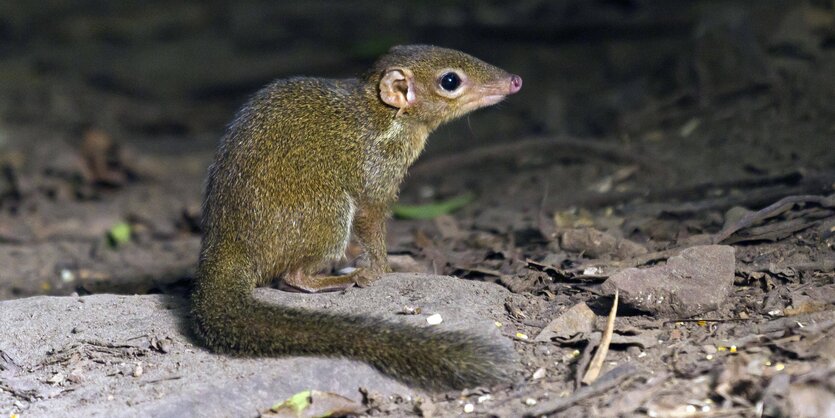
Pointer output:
116, 335
578, 320
696, 281
594, 244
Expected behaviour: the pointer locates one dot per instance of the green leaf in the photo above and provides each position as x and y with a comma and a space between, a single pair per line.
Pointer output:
296, 403
433, 210
119, 234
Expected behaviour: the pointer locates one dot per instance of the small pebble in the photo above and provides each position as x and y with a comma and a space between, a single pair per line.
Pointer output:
689, 127
67, 276
434, 319
538, 374
76, 376
591, 271
542, 350
468, 408
165, 345
410, 310
530, 401
56, 378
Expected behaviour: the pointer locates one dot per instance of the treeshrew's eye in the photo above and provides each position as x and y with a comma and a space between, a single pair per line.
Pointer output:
450, 81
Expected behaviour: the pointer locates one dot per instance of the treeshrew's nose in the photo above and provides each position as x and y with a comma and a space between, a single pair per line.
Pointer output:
515, 83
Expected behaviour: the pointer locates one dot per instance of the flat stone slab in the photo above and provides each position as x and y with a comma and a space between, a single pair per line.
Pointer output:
114, 355
695, 281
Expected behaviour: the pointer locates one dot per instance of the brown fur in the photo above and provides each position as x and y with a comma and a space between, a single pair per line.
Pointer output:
304, 162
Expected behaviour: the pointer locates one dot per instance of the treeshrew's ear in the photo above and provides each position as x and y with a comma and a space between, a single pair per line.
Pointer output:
397, 88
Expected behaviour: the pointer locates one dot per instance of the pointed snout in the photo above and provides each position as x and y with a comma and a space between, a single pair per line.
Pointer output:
515, 84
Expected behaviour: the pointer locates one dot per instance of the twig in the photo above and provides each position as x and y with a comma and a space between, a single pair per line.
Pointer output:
161, 379
770, 211
8, 363
585, 357
673, 321
633, 400
543, 221
600, 356
29, 395
484, 271
608, 381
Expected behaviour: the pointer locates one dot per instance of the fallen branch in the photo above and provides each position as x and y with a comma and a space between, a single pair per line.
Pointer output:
29, 395
632, 400
607, 382
600, 356
585, 357
775, 209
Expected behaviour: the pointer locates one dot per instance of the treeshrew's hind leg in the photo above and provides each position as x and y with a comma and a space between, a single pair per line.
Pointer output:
369, 225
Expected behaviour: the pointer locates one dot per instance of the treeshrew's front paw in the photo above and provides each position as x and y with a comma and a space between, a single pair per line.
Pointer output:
364, 277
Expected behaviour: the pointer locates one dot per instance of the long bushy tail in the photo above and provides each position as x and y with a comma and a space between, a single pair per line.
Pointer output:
229, 319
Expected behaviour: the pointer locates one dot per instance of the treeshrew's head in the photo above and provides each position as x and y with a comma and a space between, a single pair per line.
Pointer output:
434, 85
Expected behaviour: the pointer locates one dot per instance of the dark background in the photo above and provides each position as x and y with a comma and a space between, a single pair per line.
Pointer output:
174, 70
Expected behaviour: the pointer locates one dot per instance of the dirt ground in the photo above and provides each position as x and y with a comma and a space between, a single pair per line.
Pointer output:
692, 140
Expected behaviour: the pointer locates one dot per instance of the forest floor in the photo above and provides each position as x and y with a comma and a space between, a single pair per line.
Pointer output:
715, 179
